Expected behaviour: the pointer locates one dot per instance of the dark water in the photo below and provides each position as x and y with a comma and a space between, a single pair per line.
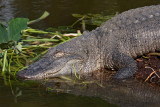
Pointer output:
60, 93
61, 10
61, 14
35, 95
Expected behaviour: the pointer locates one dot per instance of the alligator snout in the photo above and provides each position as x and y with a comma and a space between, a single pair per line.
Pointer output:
23, 75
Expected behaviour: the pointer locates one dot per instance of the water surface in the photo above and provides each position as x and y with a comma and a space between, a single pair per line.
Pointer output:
36, 95
61, 10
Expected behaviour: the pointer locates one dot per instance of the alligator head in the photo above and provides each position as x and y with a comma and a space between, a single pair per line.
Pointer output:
59, 63
67, 58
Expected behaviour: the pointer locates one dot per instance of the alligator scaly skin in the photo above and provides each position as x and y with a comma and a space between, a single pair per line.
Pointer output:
113, 45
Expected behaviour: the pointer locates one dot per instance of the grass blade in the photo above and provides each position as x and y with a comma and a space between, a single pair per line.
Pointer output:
44, 40
4, 62
45, 14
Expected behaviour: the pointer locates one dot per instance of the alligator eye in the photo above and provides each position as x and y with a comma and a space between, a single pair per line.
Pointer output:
59, 54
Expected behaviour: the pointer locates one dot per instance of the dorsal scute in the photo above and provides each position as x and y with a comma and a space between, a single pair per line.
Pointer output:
133, 16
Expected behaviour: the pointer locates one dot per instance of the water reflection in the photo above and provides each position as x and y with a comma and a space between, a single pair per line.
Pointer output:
126, 93
63, 93
35, 95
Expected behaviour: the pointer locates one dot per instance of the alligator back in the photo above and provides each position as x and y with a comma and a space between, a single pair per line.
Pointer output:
134, 32
130, 34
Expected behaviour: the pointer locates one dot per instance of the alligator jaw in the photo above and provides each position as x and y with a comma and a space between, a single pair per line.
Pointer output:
38, 73
21, 75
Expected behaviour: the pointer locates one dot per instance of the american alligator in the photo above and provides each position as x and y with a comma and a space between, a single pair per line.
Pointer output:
113, 45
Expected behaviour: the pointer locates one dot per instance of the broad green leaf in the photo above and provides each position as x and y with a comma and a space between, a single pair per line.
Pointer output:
3, 34
15, 27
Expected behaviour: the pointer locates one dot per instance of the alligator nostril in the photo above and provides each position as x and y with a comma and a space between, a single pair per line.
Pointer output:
21, 75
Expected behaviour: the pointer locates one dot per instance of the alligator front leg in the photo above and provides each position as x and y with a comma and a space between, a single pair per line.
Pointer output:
126, 65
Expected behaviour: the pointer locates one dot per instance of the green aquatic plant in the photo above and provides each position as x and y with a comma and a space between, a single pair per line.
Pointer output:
9, 35
12, 32
11, 45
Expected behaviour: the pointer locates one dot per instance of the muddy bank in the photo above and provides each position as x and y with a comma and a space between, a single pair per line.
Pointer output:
149, 69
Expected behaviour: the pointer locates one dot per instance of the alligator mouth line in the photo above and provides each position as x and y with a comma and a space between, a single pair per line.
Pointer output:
49, 75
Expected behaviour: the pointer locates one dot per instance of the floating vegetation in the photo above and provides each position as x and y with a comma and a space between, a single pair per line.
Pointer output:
91, 19
18, 54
